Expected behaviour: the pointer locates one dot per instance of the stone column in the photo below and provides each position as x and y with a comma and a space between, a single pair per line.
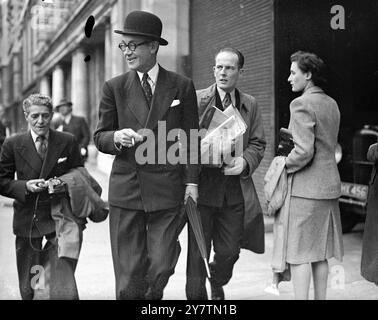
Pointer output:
44, 86
108, 51
183, 38
79, 83
5, 84
175, 31
119, 12
17, 77
117, 61
57, 84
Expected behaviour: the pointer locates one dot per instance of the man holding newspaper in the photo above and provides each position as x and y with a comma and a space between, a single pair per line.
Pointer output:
231, 150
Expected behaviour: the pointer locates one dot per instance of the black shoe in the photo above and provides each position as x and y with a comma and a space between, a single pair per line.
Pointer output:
217, 292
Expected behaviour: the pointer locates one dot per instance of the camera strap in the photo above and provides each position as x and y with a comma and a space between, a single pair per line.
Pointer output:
35, 224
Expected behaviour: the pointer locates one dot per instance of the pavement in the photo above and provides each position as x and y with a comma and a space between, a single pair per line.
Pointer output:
252, 273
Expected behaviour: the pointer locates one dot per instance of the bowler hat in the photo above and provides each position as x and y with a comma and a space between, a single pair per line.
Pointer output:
63, 102
142, 23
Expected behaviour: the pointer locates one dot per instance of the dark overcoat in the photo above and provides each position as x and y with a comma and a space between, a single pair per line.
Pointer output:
253, 152
369, 261
79, 128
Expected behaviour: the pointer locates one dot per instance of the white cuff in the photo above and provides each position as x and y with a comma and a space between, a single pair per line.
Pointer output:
192, 184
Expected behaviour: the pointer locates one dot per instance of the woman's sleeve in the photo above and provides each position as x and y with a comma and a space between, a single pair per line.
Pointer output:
302, 126
372, 154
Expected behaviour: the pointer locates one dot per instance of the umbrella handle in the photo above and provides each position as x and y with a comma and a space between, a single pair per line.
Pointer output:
207, 268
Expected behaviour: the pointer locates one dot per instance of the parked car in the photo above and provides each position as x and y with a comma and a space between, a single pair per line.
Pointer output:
355, 171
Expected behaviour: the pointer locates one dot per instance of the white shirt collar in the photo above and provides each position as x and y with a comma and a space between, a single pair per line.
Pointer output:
35, 136
152, 74
67, 118
222, 94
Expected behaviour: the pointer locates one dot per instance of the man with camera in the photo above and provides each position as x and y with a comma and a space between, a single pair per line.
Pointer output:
37, 156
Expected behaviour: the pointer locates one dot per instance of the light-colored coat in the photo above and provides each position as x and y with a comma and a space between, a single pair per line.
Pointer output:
253, 152
70, 212
275, 185
314, 123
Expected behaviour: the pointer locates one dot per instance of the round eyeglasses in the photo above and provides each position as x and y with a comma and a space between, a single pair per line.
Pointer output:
131, 45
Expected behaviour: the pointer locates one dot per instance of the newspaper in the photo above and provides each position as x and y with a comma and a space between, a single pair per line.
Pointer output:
219, 142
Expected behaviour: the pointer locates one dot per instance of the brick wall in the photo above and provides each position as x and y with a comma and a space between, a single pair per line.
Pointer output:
248, 26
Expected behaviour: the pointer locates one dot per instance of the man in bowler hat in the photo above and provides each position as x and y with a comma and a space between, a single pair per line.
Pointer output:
229, 207
145, 199
75, 125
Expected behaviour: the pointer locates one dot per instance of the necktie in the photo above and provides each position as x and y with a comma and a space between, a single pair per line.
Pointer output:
41, 146
147, 88
65, 125
227, 100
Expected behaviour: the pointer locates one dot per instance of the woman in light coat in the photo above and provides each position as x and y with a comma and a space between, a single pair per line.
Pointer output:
314, 229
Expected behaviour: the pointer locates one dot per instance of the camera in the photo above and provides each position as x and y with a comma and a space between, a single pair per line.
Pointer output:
53, 186
286, 143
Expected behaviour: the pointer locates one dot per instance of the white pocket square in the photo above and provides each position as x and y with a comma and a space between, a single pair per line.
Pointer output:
60, 160
175, 103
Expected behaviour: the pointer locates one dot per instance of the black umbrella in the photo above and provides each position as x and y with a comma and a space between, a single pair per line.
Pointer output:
196, 224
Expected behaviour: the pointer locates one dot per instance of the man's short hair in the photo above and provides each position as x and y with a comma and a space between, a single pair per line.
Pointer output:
235, 51
37, 99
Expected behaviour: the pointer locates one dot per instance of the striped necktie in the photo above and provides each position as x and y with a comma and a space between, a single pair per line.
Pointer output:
147, 88
227, 100
41, 146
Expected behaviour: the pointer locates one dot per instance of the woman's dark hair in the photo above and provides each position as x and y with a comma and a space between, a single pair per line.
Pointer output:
310, 62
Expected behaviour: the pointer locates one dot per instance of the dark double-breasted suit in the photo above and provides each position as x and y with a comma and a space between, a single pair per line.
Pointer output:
79, 128
230, 209
19, 156
146, 193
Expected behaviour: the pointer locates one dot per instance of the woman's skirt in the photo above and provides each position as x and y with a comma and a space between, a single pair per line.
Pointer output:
314, 231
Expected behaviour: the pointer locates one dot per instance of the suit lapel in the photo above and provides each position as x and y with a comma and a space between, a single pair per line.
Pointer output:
54, 149
245, 110
71, 124
28, 152
134, 97
206, 101
207, 112
164, 94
